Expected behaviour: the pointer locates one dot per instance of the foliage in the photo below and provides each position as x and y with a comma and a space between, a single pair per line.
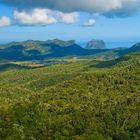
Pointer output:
73, 100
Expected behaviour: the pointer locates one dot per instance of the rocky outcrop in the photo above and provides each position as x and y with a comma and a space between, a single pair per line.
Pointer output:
96, 44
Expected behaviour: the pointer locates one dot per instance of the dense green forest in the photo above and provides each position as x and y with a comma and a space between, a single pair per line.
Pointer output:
75, 100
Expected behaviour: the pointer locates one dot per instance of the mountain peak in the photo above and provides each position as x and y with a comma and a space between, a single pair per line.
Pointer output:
96, 44
61, 43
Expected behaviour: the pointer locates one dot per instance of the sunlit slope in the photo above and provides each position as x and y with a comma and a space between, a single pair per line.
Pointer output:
89, 102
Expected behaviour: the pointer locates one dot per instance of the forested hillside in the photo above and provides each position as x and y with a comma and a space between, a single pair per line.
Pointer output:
75, 100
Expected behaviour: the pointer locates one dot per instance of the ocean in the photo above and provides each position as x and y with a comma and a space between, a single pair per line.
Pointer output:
111, 45
119, 44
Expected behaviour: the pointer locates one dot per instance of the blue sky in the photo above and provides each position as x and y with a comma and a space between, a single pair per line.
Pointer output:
109, 29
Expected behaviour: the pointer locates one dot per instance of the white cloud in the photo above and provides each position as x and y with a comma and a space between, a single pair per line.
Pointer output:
90, 22
67, 17
105, 7
44, 17
5, 21
44, 12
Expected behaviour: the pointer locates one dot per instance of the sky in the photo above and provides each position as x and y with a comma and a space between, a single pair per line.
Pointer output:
81, 20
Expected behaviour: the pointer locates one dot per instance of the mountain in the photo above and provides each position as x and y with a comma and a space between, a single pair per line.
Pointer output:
61, 43
132, 49
96, 44
42, 50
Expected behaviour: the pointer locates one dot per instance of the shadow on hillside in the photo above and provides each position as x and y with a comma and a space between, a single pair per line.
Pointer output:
132, 49
18, 52
108, 64
72, 50
4, 67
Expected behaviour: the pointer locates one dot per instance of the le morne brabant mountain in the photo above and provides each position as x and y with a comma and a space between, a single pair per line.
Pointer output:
96, 44
57, 90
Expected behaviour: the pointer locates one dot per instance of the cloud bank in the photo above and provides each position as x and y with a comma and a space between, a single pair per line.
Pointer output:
105, 7
44, 12
44, 17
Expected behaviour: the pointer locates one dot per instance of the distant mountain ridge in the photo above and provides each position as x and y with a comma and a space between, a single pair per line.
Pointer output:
34, 50
40, 50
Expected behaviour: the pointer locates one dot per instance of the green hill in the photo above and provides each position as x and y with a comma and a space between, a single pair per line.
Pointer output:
134, 48
74, 100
